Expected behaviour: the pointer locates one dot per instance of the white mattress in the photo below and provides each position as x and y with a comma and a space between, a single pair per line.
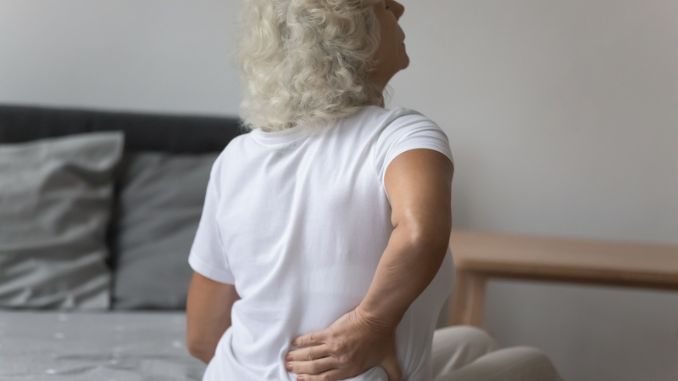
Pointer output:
104, 346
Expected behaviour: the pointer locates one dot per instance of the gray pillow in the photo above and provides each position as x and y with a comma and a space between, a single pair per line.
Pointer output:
55, 203
160, 203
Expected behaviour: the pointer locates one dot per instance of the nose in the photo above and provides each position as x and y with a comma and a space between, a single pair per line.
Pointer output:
398, 9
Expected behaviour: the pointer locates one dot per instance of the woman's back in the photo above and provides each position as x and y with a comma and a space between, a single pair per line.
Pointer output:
298, 221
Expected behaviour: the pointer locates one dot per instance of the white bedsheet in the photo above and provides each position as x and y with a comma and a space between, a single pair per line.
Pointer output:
104, 346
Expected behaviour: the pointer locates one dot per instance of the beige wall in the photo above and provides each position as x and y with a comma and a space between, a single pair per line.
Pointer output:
563, 119
164, 55
562, 116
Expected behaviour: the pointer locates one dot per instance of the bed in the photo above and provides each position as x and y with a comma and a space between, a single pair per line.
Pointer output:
102, 346
96, 290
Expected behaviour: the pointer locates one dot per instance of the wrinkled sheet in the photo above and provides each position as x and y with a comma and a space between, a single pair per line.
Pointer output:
97, 346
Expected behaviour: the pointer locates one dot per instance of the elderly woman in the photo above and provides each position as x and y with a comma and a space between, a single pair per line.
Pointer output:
322, 251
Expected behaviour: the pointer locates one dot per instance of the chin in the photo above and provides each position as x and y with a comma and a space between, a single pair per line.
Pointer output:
406, 61
406, 58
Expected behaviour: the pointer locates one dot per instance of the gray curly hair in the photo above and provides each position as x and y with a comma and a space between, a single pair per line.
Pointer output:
306, 61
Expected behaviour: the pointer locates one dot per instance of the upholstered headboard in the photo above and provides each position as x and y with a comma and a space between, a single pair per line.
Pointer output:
180, 133
158, 190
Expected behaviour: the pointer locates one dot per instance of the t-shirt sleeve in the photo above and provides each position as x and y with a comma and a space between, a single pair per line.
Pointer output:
404, 131
207, 256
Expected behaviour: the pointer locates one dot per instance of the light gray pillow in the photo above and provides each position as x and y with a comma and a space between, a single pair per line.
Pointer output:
160, 203
55, 203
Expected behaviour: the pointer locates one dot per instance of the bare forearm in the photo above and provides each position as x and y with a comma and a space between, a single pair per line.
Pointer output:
208, 315
406, 268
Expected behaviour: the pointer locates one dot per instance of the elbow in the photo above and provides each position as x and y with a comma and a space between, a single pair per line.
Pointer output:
199, 350
431, 239
427, 230
200, 353
436, 245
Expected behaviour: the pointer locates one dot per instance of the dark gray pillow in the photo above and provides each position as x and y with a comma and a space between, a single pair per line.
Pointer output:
160, 203
55, 204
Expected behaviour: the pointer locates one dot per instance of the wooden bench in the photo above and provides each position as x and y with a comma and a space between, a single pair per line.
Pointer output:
481, 256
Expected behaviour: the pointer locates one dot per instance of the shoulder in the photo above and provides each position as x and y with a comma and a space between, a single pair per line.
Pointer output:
400, 122
230, 153
385, 121
402, 129
387, 116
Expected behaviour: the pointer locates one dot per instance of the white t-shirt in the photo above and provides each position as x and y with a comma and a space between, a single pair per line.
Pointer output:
298, 220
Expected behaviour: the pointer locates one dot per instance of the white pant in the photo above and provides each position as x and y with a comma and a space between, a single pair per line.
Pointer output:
465, 353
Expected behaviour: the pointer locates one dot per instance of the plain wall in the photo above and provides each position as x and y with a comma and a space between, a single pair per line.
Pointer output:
159, 55
563, 120
562, 117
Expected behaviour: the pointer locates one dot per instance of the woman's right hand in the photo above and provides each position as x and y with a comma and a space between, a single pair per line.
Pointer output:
353, 344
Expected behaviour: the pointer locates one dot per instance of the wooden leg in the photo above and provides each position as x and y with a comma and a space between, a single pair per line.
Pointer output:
468, 300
